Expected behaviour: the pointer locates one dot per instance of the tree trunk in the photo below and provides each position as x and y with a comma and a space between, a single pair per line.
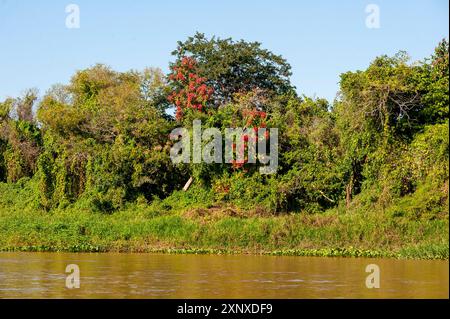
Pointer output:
188, 183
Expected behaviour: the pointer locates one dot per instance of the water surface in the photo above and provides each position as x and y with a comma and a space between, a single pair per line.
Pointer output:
110, 275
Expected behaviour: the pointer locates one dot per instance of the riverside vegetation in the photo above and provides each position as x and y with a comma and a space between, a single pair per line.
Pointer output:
86, 167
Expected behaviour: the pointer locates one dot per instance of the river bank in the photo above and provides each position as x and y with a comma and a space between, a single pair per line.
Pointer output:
138, 228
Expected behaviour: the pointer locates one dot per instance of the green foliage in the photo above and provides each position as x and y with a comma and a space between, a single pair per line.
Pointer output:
149, 228
232, 67
309, 147
105, 140
434, 81
255, 192
381, 111
20, 138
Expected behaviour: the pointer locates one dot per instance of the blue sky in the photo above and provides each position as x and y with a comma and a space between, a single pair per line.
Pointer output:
320, 39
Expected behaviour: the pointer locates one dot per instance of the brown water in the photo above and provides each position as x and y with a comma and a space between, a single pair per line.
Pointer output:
42, 275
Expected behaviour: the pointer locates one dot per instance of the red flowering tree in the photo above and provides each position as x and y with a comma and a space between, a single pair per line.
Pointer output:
190, 90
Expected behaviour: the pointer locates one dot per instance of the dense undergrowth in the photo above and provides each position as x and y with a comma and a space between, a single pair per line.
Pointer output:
183, 224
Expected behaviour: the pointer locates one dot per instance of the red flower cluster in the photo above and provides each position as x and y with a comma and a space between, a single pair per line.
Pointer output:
254, 119
191, 92
253, 115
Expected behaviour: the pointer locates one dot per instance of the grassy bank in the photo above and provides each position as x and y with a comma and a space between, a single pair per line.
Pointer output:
157, 227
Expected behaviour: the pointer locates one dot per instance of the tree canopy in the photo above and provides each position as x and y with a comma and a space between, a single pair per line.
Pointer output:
102, 140
236, 66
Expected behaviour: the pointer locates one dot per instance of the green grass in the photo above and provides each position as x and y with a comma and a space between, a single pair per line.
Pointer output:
139, 229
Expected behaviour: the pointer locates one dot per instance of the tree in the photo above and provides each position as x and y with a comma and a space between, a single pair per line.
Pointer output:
105, 139
154, 89
381, 109
20, 137
433, 81
189, 89
235, 67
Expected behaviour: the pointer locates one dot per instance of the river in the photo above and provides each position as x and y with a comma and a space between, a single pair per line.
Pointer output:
110, 275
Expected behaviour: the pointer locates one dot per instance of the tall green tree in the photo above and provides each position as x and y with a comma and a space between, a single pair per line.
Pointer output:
236, 66
382, 108
105, 138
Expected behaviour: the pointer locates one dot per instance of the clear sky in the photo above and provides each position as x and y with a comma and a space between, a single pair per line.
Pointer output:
320, 38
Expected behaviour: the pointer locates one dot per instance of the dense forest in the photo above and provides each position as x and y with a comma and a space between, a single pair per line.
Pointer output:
101, 143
